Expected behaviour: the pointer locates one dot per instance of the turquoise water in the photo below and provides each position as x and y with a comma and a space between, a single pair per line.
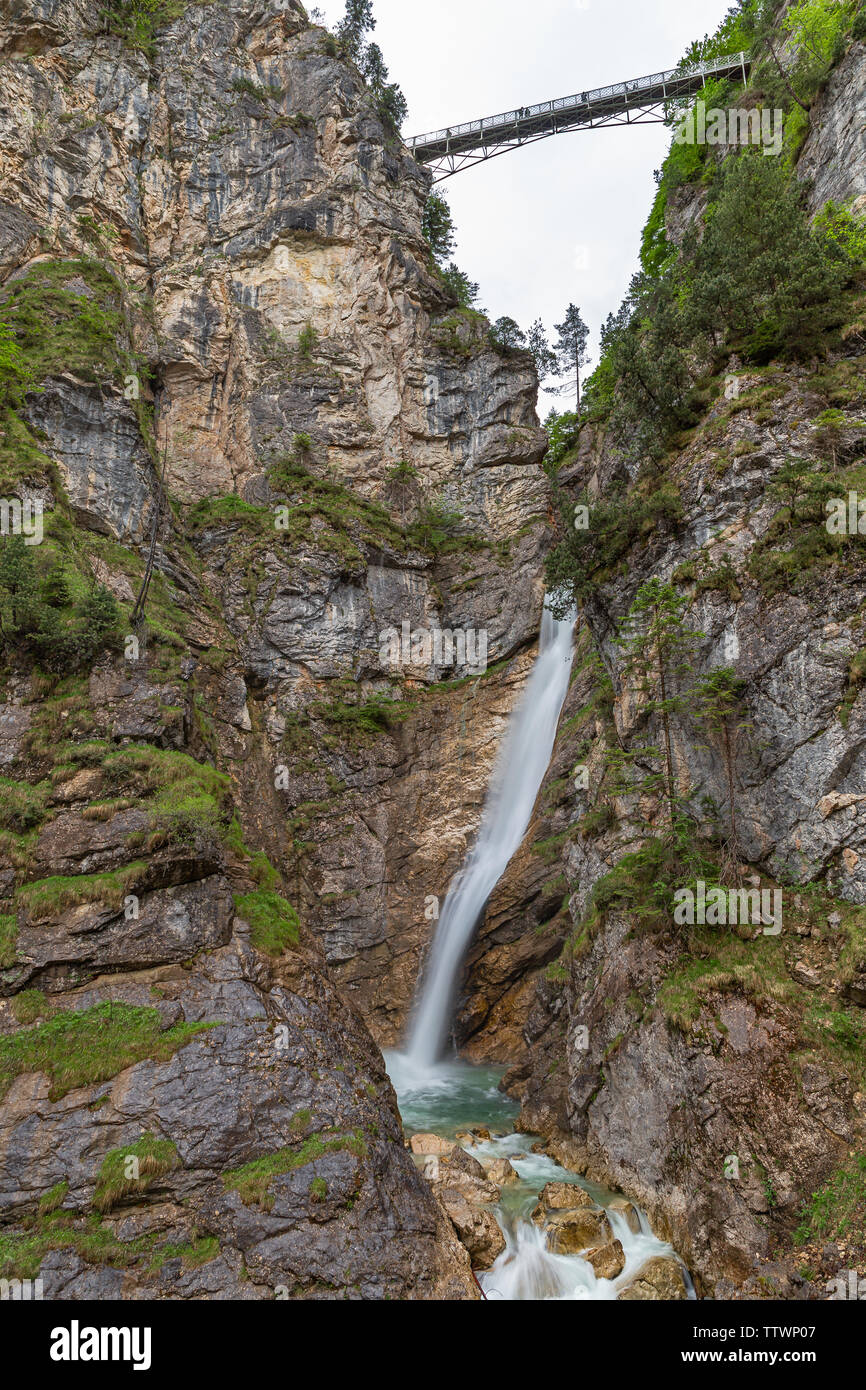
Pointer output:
456, 1096
451, 1096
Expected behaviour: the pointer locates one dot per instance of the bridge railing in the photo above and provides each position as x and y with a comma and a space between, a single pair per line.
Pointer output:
589, 98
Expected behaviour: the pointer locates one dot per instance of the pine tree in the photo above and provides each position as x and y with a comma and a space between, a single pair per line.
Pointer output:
570, 347
507, 335
545, 357
759, 271
437, 224
464, 290
357, 22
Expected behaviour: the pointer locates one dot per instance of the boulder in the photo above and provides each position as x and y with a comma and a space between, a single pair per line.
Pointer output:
608, 1261
500, 1171
560, 1196
431, 1144
628, 1210
565, 1196
477, 1228
570, 1232
661, 1278
460, 1161
460, 1172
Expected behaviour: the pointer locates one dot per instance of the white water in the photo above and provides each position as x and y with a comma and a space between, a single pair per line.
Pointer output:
454, 1094
526, 1269
520, 768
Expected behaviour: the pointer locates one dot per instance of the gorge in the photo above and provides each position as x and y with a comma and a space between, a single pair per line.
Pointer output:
331, 975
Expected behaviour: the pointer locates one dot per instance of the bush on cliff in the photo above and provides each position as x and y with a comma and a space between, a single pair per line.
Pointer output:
38, 614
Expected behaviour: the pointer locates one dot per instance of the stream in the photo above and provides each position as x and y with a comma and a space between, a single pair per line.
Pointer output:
445, 1097
454, 1096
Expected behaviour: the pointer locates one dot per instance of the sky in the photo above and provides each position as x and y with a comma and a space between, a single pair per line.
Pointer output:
560, 221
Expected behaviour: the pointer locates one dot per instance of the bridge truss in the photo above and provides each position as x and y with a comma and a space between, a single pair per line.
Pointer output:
638, 102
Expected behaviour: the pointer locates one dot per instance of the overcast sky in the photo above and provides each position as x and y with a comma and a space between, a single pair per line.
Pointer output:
559, 221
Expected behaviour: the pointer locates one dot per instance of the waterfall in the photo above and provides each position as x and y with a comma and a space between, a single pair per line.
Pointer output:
517, 776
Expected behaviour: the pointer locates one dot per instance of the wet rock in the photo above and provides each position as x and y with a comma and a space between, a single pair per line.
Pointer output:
562, 1196
661, 1278
569, 1232
287, 1074
477, 1228
608, 1261
459, 1161
628, 1210
501, 1172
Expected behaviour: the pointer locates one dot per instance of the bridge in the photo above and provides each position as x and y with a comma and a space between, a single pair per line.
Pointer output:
642, 100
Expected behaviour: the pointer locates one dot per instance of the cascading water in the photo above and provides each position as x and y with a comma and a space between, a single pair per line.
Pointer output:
520, 767
447, 1095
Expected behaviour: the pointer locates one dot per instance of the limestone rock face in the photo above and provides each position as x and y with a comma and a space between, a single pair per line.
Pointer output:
834, 155
283, 1070
267, 234
281, 404
662, 1060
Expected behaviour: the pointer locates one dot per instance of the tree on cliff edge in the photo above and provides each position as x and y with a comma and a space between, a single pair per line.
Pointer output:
357, 22
570, 348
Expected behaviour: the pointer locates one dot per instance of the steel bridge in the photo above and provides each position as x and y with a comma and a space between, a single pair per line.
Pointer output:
642, 100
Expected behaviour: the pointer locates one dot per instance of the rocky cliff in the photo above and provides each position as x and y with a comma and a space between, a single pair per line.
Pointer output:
717, 1076
258, 426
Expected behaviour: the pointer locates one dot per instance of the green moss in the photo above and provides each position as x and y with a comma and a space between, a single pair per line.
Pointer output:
230, 511
193, 1253
22, 806
133, 1168
137, 22
53, 1199
273, 921
345, 521
22, 1251
253, 1180
66, 317
48, 896
78, 1049
725, 964
361, 720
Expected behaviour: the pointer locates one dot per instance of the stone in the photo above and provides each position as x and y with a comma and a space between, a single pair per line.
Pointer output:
627, 1209
564, 1196
661, 1278
477, 1229
501, 1172
608, 1261
431, 1144
570, 1232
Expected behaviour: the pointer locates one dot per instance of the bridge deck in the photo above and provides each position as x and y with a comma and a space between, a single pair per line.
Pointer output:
598, 106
